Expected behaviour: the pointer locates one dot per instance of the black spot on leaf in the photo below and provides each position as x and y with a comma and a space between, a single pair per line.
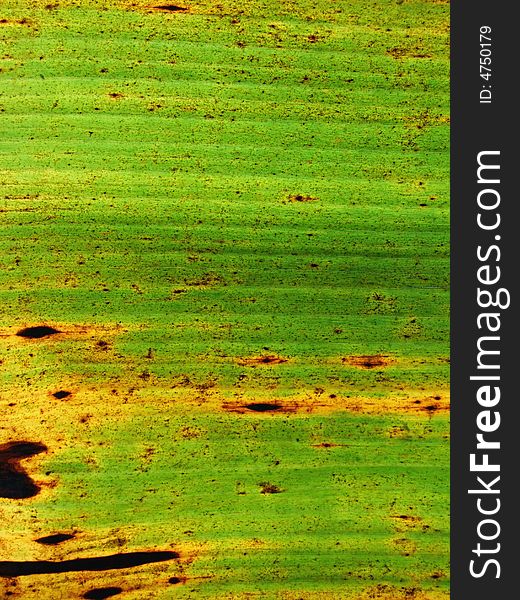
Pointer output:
54, 539
37, 332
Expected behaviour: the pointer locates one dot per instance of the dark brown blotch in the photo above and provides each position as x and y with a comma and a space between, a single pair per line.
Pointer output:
302, 198
328, 445
62, 394
55, 539
102, 593
170, 8
37, 332
269, 488
260, 407
15, 483
98, 563
263, 407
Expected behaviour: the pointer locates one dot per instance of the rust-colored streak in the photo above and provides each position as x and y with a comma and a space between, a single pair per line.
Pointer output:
367, 361
264, 360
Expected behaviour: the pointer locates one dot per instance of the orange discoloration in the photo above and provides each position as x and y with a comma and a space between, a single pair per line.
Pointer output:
265, 360
328, 445
368, 361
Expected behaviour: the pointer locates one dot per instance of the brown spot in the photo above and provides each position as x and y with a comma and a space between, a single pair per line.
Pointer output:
302, 198
407, 518
437, 575
265, 360
431, 405
169, 8
263, 407
15, 483
55, 539
260, 407
116, 95
23, 21
404, 523
102, 593
269, 488
327, 445
177, 580
367, 361
62, 394
37, 332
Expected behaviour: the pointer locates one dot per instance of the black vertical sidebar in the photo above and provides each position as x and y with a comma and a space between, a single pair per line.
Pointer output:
484, 119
